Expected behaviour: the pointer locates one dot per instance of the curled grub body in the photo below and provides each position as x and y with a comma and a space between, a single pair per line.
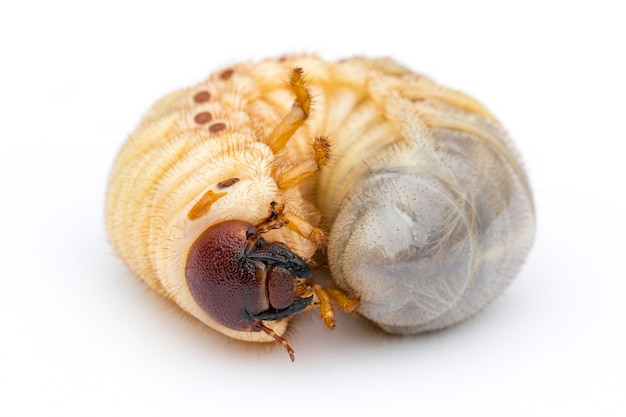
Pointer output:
427, 209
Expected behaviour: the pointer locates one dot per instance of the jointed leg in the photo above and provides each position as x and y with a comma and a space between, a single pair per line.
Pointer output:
305, 229
325, 295
306, 168
296, 117
278, 218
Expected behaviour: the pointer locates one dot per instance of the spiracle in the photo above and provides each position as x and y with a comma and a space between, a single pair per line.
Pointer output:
411, 192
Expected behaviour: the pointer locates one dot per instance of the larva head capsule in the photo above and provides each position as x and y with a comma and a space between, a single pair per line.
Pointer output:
240, 280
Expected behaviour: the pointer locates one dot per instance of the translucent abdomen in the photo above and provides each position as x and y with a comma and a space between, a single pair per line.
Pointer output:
431, 220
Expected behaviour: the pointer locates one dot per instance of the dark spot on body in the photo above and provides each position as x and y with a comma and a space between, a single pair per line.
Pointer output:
202, 96
217, 127
203, 117
229, 182
226, 74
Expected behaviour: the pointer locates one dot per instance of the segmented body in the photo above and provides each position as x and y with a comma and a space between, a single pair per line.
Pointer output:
422, 250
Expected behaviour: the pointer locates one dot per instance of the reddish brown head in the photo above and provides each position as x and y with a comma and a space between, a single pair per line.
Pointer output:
239, 279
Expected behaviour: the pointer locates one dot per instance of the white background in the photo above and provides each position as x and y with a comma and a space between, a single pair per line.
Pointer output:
81, 336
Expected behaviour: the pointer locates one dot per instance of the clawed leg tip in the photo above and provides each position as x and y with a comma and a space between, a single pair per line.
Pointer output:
330, 323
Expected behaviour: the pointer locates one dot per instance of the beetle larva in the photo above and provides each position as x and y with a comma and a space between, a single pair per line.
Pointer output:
219, 199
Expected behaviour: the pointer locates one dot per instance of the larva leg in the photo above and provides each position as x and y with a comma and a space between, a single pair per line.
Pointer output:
306, 168
324, 298
296, 116
305, 229
345, 303
278, 219
279, 339
327, 314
